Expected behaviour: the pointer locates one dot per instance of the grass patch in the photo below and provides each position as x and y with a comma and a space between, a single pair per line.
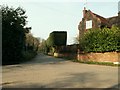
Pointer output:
97, 63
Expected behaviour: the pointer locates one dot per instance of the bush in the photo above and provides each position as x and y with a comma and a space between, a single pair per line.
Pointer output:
28, 55
57, 38
101, 40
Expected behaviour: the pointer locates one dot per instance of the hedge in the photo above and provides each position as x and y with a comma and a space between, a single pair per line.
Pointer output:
101, 40
57, 38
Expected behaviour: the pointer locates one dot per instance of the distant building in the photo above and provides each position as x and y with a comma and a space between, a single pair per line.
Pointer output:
92, 20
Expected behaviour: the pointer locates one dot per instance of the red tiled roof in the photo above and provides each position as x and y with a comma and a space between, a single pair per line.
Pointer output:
102, 19
112, 17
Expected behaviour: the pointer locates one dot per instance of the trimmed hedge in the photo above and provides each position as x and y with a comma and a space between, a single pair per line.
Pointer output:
57, 38
101, 40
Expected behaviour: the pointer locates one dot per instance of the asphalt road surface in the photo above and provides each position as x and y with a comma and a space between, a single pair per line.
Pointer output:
49, 72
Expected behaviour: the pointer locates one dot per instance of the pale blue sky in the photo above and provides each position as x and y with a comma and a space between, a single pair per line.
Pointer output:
45, 17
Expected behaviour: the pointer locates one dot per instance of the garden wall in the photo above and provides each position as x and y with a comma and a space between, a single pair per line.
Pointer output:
66, 55
99, 57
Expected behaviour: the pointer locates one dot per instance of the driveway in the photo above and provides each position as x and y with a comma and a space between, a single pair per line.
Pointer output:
49, 72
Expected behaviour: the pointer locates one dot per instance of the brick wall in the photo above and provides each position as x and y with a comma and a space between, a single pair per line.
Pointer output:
100, 57
66, 55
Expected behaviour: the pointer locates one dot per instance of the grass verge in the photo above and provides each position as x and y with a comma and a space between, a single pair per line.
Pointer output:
96, 63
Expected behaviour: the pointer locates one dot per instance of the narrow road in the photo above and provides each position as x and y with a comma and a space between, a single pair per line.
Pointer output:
48, 72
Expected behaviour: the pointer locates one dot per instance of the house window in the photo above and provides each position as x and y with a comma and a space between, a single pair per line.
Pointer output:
89, 24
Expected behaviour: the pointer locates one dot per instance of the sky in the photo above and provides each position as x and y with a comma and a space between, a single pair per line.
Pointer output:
45, 16
119, 6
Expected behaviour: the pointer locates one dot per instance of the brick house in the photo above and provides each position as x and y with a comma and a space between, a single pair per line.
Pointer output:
92, 20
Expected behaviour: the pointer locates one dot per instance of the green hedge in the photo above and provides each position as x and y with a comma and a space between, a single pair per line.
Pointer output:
101, 40
57, 38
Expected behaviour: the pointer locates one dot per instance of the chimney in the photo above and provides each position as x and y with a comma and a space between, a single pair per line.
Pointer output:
84, 12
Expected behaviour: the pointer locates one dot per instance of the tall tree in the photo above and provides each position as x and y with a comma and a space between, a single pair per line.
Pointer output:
13, 33
32, 43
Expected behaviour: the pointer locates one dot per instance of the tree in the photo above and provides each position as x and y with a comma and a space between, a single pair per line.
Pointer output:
76, 39
36, 44
32, 43
13, 33
43, 46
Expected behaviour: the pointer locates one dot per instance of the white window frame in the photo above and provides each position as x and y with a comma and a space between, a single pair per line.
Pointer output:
89, 24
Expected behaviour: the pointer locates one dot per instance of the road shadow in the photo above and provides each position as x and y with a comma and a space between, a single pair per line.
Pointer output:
65, 82
45, 59
40, 59
117, 86
86, 80
82, 80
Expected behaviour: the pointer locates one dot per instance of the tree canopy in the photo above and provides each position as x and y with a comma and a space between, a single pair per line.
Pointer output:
13, 33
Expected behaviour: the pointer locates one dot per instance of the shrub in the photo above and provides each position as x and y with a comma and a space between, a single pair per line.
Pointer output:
101, 40
28, 55
57, 38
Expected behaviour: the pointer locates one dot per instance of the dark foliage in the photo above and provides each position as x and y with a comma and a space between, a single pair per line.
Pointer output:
13, 34
57, 38
101, 40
